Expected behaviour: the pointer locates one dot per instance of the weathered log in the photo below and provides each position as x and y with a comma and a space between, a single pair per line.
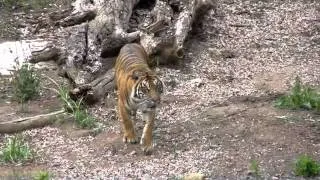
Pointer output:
76, 18
184, 22
167, 47
61, 14
95, 90
49, 52
120, 12
158, 34
99, 28
31, 122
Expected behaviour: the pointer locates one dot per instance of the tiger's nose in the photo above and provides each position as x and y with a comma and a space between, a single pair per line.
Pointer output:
152, 104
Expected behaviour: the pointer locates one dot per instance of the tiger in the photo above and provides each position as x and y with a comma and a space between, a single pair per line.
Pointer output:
138, 88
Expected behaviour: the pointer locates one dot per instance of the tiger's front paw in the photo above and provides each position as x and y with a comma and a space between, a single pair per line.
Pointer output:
147, 146
130, 138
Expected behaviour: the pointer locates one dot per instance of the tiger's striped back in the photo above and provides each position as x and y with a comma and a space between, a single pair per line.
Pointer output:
138, 88
131, 57
132, 74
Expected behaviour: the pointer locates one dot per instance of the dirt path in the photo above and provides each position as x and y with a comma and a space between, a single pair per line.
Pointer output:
247, 48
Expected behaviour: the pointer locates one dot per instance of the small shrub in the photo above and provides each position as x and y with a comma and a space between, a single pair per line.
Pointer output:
82, 117
76, 108
306, 166
254, 168
25, 82
41, 175
300, 97
15, 150
63, 94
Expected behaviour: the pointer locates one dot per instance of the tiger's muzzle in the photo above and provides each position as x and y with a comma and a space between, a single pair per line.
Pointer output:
149, 105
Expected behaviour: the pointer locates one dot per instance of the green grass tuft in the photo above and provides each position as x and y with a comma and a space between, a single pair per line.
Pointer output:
301, 97
15, 150
41, 175
306, 166
76, 108
25, 82
254, 168
81, 116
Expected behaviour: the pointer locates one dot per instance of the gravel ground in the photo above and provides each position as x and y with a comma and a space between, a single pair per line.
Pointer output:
242, 46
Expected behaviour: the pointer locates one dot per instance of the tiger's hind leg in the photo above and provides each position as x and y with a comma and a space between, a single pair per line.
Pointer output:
126, 120
147, 138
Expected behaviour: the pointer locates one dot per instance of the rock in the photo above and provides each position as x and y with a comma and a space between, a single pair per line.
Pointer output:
227, 54
214, 53
193, 176
133, 153
146, 177
196, 82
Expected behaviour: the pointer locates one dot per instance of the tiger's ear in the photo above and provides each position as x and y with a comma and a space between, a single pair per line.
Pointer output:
136, 74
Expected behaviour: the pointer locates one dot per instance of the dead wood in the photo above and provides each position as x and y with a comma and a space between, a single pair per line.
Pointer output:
31, 122
49, 52
58, 15
76, 18
166, 37
95, 90
97, 29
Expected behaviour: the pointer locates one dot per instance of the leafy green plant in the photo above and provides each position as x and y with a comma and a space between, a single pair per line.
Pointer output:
76, 108
15, 150
82, 116
25, 82
41, 175
254, 168
300, 97
306, 166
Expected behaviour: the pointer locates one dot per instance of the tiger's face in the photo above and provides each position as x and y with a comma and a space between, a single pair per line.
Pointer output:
146, 91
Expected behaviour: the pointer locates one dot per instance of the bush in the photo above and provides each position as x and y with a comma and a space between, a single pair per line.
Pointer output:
41, 175
306, 166
81, 116
254, 168
25, 82
15, 150
301, 97
76, 108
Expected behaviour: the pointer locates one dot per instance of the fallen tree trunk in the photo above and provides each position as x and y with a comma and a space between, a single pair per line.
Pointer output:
95, 89
31, 122
96, 30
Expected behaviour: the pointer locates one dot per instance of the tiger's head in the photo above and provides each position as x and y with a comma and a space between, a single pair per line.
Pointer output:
146, 90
